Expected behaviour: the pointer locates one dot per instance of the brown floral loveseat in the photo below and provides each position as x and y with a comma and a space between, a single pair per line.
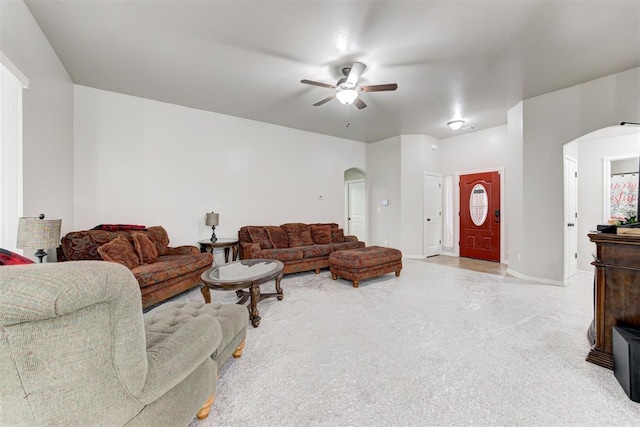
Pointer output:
300, 247
170, 272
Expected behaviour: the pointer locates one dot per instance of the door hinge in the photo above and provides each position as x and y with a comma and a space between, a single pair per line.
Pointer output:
440, 213
576, 255
576, 214
439, 242
576, 174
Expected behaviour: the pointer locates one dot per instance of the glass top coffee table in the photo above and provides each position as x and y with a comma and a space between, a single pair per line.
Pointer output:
245, 274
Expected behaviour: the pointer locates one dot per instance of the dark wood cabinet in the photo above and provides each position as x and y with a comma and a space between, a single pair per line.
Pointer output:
617, 291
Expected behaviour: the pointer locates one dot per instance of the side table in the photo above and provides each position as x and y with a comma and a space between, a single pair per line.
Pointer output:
227, 244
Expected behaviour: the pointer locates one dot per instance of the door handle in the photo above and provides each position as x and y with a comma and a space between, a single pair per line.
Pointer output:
428, 219
571, 224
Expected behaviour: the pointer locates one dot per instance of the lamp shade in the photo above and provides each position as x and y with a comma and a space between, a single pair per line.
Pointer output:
212, 218
38, 233
347, 96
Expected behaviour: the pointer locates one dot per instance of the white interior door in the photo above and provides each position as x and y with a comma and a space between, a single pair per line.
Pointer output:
571, 217
432, 215
356, 209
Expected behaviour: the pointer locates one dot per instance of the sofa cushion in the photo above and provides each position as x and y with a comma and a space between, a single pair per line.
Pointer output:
12, 258
159, 236
337, 235
285, 254
119, 250
259, 235
168, 267
277, 236
320, 233
83, 245
315, 251
145, 248
298, 234
347, 245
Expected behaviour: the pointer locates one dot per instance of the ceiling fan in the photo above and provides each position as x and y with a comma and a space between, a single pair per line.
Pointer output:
347, 90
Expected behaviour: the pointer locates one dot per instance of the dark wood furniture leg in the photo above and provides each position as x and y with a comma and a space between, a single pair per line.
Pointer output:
235, 252
226, 254
206, 293
254, 314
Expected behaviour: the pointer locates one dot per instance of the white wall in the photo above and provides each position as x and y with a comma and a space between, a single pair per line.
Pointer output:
417, 156
483, 149
146, 162
383, 181
514, 217
549, 122
47, 116
591, 153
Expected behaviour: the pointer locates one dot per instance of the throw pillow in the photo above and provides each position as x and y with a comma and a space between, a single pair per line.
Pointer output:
259, 235
119, 250
146, 249
337, 235
321, 234
277, 236
12, 258
298, 234
159, 236
119, 227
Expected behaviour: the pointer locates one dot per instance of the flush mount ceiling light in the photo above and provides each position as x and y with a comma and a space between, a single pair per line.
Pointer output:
347, 96
455, 124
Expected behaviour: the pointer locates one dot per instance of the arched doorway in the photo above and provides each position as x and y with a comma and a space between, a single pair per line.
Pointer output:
592, 155
355, 202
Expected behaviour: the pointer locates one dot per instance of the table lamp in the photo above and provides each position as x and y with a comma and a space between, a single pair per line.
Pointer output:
38, 233
212, 220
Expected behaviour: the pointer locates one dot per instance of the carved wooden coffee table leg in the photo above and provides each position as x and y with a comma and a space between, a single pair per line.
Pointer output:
253, 305
279, 289
206, 293
355, 284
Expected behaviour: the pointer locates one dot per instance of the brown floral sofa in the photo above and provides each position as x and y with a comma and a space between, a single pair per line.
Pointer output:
171, 272
300, 247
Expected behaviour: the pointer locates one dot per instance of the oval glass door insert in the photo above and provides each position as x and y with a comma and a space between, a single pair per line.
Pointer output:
478, 204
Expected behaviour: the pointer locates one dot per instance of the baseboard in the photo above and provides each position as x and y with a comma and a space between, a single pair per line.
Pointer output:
413, 256
534, 279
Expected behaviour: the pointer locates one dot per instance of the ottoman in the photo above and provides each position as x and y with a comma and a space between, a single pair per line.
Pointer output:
364, 263
232, 319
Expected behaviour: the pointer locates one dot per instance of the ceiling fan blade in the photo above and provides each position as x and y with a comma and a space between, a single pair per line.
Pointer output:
324, 101
354, 75
312, 83
359, 103
379, 88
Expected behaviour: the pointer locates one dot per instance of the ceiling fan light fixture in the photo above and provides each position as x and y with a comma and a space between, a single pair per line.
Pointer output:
347, 96
455, 124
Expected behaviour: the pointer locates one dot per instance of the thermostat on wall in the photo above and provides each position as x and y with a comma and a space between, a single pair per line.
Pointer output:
385, 202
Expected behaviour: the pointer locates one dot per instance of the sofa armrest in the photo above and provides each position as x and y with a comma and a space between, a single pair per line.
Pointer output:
350, 239
183, 250
249, 250
171, 360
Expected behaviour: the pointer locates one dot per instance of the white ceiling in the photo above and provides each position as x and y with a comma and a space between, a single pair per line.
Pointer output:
475, 59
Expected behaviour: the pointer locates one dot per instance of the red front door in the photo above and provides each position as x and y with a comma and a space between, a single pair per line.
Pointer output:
480, 216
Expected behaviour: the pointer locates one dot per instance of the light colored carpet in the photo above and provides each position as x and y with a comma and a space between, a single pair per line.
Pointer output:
436, 346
